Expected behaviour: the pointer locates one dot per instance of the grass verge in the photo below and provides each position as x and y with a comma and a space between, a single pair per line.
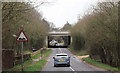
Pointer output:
47, 53
79, 52
100, 65
40, 64
36, 56
29, 61
37, 66
19, 66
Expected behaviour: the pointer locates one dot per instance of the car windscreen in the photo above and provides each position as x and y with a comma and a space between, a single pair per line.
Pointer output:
59, 56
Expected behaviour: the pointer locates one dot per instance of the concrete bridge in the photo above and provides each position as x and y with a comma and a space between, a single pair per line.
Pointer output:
59, 34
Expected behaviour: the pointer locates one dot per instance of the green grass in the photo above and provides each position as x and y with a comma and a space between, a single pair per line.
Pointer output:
36, 56
79, 52
47, 53
100, 65
37, 66
19, 66
40, 64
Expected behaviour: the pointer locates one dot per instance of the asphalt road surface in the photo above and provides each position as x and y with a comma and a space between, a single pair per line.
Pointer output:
76, 64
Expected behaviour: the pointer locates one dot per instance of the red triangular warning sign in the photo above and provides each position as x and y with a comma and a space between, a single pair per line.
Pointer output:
22, 37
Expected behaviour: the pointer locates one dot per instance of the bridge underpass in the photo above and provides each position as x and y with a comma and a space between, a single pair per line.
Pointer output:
58, 40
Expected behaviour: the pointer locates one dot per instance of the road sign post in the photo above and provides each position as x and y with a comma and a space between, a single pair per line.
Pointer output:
22, 55
22, 38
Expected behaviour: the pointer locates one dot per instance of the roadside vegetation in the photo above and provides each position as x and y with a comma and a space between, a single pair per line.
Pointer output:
17, 67
37, 66
99, 64
30, 65
40, 64
38, 55
82, 52
97, 32
18, 16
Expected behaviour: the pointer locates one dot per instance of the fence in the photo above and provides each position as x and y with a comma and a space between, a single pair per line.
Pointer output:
36, 52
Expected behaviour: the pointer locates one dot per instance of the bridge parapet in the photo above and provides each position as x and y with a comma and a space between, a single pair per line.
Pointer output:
59, 33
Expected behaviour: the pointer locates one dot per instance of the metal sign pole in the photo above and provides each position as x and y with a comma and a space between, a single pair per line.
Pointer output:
22, 56
22, 38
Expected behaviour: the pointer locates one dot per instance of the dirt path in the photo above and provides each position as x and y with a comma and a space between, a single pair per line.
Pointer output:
85, 56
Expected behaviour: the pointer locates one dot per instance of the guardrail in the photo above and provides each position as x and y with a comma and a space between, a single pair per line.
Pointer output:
36, 52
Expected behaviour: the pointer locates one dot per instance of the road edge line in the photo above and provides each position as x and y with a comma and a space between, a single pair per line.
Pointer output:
71, 68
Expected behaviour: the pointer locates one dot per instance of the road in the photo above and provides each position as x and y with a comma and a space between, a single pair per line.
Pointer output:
76, 64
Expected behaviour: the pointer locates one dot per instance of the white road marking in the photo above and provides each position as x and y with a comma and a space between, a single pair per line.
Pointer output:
72, 69
60, 50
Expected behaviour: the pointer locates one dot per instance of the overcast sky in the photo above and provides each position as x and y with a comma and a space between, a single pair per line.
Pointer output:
61, 11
